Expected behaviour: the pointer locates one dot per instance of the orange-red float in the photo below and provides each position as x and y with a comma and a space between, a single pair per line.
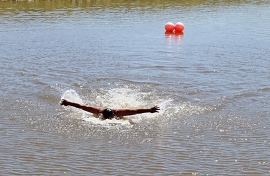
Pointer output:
179, 27
169, 27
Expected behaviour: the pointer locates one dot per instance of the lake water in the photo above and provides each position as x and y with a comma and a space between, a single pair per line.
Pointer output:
211, 82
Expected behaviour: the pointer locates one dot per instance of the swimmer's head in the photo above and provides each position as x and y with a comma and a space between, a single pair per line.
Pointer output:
107, 113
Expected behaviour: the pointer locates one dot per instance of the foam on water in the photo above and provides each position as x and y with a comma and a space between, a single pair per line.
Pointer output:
125, 97
118, 98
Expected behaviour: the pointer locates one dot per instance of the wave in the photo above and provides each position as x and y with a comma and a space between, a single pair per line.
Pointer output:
117, 98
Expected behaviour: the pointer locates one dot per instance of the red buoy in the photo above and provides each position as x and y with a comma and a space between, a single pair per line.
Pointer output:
179, 27
169, 27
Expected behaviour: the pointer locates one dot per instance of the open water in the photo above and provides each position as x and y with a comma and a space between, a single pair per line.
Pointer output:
211, 82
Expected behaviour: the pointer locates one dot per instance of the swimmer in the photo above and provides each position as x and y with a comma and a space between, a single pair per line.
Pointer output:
110, 113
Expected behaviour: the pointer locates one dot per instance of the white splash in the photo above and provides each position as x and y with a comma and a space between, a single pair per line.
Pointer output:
118, 98
72, 95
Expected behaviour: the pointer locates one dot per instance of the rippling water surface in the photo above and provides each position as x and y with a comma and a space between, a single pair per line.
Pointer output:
211, 82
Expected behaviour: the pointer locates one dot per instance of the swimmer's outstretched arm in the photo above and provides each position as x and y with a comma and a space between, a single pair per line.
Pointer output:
84, 107
127, 112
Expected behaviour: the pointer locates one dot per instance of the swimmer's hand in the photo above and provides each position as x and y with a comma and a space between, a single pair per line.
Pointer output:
154, 109
64, 102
